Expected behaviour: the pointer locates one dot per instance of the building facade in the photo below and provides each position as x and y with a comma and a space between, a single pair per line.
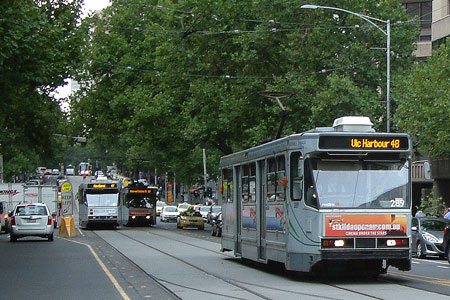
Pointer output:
434, 17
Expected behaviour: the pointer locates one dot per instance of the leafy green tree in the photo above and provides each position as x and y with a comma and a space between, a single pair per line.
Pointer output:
423, 99
163, 79
40, 45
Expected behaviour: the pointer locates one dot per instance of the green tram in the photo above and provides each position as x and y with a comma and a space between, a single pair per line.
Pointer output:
329, 197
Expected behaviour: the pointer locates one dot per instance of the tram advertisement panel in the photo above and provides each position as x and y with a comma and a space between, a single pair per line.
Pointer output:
249, 217
366, 225
275, 218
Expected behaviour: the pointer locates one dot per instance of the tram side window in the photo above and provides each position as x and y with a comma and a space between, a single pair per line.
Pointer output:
227, 185
244, 183
310, 193
252, 182
271, 179
281, 178
296, 181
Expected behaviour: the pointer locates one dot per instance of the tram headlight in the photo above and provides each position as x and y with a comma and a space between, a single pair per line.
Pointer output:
147, 217
133, 217
397, 242
333, 243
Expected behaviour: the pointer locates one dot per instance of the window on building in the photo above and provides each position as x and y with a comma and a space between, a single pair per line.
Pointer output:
423, 11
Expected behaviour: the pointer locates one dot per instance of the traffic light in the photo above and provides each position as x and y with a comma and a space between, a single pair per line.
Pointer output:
209, 192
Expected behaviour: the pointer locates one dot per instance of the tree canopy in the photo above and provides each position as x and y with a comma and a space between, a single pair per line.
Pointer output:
423, 97
163, 79
40, 47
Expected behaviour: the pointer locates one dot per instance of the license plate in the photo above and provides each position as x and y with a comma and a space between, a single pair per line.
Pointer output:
31, 221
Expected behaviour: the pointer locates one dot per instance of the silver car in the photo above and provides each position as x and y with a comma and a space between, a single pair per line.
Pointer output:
31, 220
427, 236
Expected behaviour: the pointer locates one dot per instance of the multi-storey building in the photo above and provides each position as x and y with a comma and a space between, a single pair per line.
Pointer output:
434, 17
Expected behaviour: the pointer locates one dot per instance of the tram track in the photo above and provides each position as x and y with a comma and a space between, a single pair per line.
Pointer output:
244, 286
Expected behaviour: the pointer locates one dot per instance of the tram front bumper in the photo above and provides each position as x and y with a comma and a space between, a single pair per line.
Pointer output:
346, 254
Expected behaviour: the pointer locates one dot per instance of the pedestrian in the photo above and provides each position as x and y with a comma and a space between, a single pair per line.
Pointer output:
447, 213
419, 214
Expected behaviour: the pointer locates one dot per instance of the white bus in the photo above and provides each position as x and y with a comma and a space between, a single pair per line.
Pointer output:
99, 203
332, 197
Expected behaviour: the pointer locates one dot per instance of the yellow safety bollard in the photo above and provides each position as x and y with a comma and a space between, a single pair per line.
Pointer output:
67, 227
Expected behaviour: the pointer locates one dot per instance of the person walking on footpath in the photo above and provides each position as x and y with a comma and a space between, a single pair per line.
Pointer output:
447, 213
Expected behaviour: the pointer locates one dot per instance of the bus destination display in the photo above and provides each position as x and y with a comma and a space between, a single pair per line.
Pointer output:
363, 142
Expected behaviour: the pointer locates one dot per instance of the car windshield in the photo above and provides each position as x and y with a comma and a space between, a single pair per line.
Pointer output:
102, 199
433, 225
31, 210
360, 184
205, 208
159, 204
216, 209
183, 206
191, 213
170, 209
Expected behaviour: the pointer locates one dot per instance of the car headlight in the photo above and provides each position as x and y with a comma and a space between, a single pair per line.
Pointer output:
431, 238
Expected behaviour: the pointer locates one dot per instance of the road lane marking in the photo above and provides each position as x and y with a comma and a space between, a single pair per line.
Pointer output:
81, 232
422, 278
443, 267
105, 269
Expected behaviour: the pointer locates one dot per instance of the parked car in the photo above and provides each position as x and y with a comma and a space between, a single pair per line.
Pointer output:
447, 242
31, 220
55, 172
159, 207
169, 213
190, 218
214, 210
216, 225
427, 236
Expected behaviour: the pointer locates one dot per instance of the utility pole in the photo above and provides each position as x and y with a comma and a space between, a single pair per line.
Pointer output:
204, 174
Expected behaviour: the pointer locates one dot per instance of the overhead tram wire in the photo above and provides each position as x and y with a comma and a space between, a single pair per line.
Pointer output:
238, 77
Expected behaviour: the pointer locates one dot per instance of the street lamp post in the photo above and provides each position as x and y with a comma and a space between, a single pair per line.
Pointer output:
387, 33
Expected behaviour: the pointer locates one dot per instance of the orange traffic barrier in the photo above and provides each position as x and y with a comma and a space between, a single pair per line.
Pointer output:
67, 227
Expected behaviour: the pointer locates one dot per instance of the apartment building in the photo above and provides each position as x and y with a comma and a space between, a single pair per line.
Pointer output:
434, 19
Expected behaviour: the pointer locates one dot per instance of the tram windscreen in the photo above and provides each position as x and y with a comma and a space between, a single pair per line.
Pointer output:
140, 201
105, 198
361, 184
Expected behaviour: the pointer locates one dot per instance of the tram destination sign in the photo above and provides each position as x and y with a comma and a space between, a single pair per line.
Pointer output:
358, 142
149, 191
102, 185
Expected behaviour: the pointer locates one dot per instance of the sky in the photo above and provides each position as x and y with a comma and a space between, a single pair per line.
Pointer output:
89, 6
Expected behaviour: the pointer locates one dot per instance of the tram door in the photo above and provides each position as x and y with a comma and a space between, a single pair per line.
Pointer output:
261, 207
238, 200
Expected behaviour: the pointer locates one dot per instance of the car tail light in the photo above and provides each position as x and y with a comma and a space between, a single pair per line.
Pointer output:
49, 221
54, 219
13, 221
445, 229
5, 216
